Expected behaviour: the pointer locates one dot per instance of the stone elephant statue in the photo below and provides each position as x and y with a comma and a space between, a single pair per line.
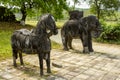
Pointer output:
85, 28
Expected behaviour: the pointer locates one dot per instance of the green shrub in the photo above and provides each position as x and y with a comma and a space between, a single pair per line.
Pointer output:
110, 32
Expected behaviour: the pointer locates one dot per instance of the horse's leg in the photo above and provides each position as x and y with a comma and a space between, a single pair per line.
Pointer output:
21, 59
14, 57
70, 43
48, 62
84, 39
40, 55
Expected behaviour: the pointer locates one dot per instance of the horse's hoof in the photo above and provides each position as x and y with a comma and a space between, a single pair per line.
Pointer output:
72, 48
41, 75
65, 49
15, 65
48, 71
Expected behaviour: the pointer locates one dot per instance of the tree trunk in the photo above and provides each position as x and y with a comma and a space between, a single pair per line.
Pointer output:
98, 8
74, 5
24, 14
98, 13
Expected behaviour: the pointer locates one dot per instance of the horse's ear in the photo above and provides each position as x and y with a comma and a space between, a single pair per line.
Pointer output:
49, 15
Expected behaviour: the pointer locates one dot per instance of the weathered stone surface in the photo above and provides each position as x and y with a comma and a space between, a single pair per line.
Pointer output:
57, 64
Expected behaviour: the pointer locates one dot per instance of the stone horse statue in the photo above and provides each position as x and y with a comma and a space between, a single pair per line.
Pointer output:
35, 41
84, 28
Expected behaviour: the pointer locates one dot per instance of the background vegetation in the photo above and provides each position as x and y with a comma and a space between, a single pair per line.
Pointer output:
111, 32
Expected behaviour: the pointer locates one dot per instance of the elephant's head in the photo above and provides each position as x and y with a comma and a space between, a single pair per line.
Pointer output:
92, 24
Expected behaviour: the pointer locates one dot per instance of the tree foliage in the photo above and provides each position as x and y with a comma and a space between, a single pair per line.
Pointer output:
110, 32
75, 2
6, 15
45, 6
104, 8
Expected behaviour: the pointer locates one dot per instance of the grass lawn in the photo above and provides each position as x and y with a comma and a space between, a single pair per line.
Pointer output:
6, 30
5, 49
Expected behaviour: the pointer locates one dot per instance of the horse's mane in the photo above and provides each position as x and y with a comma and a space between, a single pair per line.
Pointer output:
41, 24
43, 19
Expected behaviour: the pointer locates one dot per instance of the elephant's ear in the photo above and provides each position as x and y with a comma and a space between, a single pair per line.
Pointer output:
99, 26
84, 22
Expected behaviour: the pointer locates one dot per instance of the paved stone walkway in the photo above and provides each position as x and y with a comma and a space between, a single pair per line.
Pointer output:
74, 66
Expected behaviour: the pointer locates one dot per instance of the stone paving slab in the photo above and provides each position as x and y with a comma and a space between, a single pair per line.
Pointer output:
75, 66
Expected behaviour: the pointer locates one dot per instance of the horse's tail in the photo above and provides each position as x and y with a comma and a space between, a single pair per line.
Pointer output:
16, 40
14, 45
13, 41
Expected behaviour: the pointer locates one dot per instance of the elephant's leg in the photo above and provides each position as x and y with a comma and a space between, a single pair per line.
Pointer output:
14, 57
65, 41
40, 55
70, 43
84, 39
90, 46
48, 63
21, 59
90, 43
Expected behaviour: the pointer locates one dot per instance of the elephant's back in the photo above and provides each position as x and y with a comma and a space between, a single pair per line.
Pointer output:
71, 28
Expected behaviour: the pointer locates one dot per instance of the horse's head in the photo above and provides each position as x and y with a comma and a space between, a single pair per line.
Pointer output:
49, 23
93, 25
